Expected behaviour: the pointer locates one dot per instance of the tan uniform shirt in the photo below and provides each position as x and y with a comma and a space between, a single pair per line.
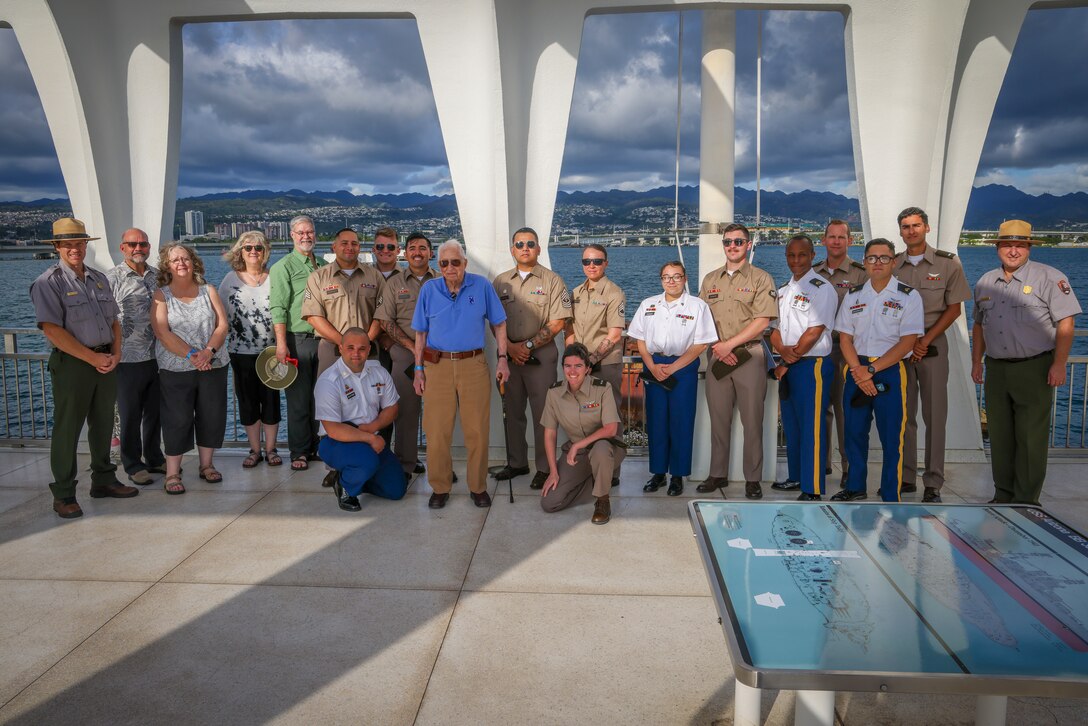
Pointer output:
845, 276
938, 277
735, 300
344, 300
579, 413
533, 302
398, 297
596, 309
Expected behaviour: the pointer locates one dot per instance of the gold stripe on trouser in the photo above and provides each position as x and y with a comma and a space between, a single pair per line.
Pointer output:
817, 419
902, 424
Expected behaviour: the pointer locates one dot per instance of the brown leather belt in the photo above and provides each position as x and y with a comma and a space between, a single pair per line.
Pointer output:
460, 355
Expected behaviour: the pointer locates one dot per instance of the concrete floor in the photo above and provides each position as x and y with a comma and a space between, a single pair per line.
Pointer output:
259, 601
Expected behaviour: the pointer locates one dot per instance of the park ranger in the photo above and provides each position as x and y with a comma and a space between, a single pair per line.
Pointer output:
1024, 315
537, 308
742, 301
843, 273
598, 306
938, 277
77, 313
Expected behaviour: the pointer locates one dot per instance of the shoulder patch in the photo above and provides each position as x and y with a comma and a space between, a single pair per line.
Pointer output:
944, 253
379, 302
557, 384
817, 283
1064, 287
598, 382
857, 288
857, 264
906, 289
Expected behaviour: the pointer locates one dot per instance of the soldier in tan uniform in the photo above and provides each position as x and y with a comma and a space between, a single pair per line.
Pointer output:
938, 277
537, 308
396, 306
339, 296
585, 409
598, 305
743, 301
843, 273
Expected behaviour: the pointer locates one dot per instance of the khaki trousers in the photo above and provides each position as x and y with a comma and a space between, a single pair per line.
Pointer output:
529, 385
452, 385
928, 377
835, 407
406, 442
597, 467
744, 389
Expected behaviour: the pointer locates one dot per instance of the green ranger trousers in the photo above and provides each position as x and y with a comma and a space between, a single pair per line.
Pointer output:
1018, 405
80, 394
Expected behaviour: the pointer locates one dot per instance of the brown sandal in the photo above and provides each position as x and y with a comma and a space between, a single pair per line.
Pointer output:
272, 458
254, 458
173, 485
209, 474
300, 464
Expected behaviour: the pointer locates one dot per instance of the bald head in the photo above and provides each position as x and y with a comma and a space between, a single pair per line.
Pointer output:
135, 248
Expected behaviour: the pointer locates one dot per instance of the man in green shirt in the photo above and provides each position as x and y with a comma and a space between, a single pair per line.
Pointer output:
295, 338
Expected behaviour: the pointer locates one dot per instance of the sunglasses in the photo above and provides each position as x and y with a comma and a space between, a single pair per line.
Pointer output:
447, 263
522, 244
138, 244
882, 259
383, 248
595, 261
253, 248
734, 241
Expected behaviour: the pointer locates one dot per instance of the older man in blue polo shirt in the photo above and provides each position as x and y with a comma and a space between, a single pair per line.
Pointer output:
451, 371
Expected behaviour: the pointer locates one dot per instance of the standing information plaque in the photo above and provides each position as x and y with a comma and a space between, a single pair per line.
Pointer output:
898, 598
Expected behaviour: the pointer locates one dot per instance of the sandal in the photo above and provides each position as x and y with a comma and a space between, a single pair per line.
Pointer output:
272, 458
209, 474
300, 464
254, 458
173, 485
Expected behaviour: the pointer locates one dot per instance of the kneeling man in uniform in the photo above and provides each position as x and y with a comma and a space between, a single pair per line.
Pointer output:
353, 401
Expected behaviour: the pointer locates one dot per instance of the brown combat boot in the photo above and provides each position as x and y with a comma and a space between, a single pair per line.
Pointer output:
602, 510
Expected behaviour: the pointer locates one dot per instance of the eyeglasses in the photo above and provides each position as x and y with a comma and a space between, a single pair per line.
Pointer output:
734, 241
253, 248
672, 278
138, 244
595, 261
882, 259
522, 244
383, 248
446, 263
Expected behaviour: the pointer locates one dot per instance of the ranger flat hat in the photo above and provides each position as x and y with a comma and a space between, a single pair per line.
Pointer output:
1015, 230
273, 373
66, 228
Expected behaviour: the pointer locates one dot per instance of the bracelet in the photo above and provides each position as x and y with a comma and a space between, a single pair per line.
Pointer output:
419, 368
191, 353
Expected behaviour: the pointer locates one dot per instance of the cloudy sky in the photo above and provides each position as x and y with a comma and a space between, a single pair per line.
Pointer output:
324, 105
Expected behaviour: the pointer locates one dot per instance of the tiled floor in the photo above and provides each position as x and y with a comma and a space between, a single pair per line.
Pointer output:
259, 601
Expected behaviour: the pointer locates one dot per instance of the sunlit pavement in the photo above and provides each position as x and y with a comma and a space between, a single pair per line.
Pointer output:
258, 600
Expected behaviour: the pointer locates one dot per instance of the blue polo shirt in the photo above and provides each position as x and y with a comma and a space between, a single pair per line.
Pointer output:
457, 324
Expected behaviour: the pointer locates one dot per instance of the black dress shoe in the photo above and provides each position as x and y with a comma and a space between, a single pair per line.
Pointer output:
827, 471
349, 503
330, 478
676, 486
538, 480
806, 497
419, 468
437, 501
908, 488
931, 496
786, 486
509, 472
656, 482
712, 484
615, 481
481, 499
752, 490
848, 496
453, 476
114, 489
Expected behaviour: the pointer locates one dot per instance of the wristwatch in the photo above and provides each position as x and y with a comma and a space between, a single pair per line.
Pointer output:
872, 371
529, 344
213, 350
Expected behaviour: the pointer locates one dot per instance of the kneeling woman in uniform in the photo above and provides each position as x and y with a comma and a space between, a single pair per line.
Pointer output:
586, 410
672, 330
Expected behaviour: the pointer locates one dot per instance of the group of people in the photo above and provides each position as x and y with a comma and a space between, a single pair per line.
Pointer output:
374, 344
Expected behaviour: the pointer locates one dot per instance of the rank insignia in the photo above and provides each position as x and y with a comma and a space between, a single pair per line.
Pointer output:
349, 392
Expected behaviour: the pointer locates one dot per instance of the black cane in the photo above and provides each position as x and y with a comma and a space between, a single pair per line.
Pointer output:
505, 436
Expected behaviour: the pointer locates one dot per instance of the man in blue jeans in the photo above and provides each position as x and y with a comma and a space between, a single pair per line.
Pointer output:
354, 401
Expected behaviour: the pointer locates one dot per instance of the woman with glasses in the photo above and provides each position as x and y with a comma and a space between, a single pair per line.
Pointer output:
244, 292
191, 330
672, 330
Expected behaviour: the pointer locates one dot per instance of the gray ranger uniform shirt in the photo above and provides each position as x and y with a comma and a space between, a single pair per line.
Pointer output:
85, 308
1019, 317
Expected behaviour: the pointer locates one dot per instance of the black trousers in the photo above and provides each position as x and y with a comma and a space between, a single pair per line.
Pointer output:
301, 419
194, 405
138, 410
256, 401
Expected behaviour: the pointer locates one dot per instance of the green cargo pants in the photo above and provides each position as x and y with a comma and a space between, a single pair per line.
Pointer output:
1018, 404
80, 394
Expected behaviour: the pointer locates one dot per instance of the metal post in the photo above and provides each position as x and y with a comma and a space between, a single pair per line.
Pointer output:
747, 706
990, 710
814, 708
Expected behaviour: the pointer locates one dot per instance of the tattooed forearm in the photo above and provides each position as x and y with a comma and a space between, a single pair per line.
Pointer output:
397, 333
602, 351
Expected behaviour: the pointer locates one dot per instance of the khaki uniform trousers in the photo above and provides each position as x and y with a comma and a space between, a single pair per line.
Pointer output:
604, 458
834, 408
745, 389
613, 373
929, 377
529, 384
452, 385
406, 442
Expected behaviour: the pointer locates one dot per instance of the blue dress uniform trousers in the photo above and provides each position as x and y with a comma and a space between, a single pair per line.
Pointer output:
670, 420
890, 410
804, 423
362, 470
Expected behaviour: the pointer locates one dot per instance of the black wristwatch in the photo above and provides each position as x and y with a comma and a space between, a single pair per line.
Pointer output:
213, 350
872, 371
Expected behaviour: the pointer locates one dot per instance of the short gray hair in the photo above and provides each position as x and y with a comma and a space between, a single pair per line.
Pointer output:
295, 221
451, 244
